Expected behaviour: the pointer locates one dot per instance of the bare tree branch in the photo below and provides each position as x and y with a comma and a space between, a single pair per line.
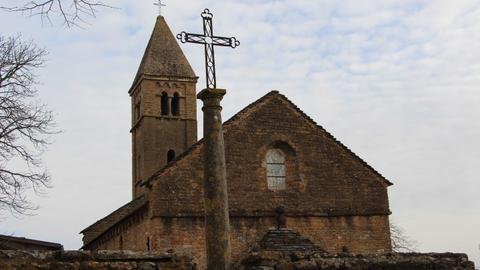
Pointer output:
72, 12
25, 125
400, 242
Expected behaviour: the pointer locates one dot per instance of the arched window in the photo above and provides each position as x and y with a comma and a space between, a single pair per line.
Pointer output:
170, 156
149, 248
275, 160
176, 105
137, 111
164, 104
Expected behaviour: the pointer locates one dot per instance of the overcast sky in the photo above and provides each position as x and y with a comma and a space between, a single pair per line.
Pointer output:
396, 81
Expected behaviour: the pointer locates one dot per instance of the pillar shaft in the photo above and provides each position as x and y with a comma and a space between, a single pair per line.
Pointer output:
217, 223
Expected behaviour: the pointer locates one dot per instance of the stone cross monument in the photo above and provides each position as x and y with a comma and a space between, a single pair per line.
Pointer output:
217, 224
209, 40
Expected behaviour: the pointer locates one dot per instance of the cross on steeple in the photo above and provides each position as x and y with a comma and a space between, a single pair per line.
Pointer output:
160, 5
209, 40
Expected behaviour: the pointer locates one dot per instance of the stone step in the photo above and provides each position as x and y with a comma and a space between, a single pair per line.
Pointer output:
286, 240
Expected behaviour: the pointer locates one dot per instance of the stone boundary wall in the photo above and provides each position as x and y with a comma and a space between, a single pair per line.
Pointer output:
262, 260
273, 260
86, 260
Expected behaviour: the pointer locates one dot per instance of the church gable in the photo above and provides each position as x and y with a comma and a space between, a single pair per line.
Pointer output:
276, 157
313, 174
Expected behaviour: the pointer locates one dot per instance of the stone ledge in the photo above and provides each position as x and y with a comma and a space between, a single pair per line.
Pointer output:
76, 260
274, 260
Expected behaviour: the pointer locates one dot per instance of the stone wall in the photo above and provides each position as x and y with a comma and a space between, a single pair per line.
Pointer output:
154, 134
124, 217
264, 260
83, 260
331, 234
323, 177
272, 260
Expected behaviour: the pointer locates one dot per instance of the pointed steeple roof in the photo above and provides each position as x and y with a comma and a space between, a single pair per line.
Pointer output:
163, 56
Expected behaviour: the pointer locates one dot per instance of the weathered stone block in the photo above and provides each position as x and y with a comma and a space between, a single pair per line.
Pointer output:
381, 261
85, 260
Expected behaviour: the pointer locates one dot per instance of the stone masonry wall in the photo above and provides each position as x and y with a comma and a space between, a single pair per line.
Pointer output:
264, 260
322, 177
270, 260
154, 134
357, 234
331, 196
83, 260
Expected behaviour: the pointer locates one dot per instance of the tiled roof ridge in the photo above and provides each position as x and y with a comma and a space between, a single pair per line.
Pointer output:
142, 198
29, 240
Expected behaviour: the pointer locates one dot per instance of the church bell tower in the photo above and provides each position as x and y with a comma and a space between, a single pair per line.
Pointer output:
163, 97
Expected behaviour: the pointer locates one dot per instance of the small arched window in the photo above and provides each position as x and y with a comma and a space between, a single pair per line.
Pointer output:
275, 159
164, 104
176, 105
137, 111
170, 156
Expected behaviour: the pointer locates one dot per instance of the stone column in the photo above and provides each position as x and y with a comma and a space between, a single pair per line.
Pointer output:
217, 223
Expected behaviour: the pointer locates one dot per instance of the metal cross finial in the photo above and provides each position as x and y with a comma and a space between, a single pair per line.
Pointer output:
160, 5
209, 40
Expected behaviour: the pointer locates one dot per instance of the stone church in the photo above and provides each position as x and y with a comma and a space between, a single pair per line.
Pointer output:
278, 160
